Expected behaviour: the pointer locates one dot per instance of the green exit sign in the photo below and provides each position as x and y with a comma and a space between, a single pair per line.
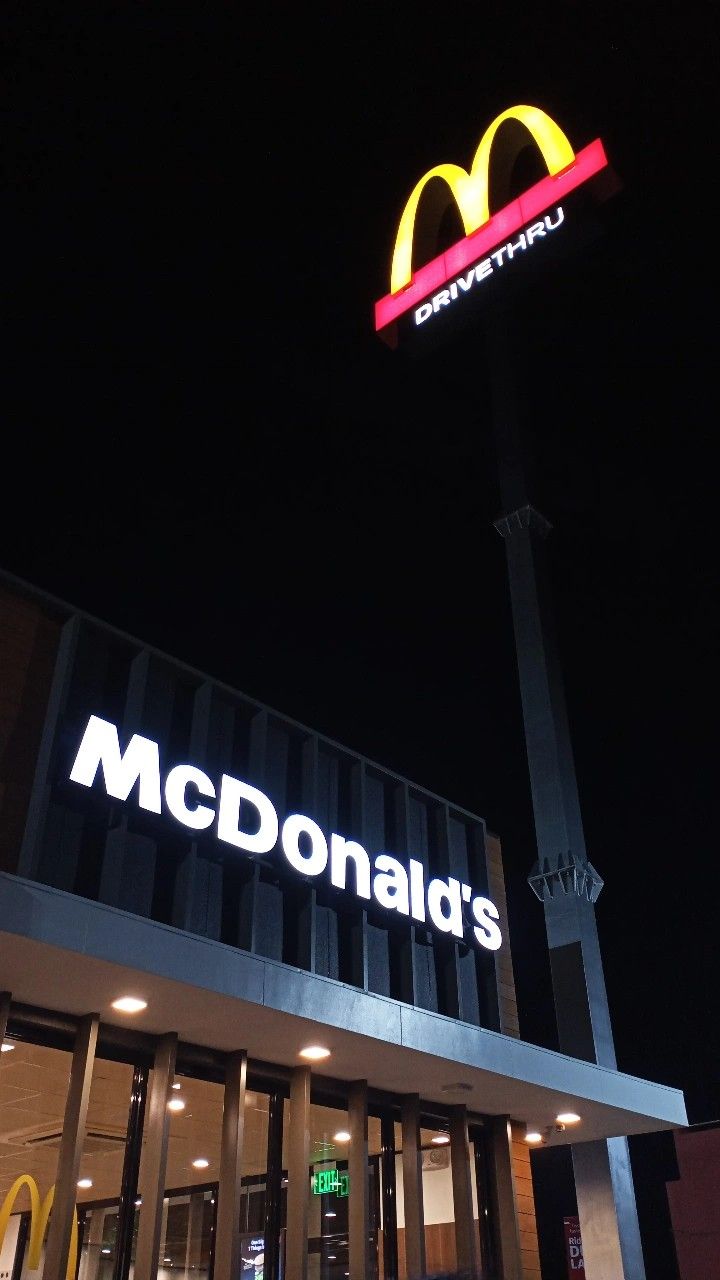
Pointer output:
328, 1180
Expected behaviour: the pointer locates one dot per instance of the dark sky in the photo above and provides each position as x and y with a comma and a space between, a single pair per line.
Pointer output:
206, 445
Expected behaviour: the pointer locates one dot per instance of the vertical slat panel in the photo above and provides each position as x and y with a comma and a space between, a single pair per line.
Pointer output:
40, 798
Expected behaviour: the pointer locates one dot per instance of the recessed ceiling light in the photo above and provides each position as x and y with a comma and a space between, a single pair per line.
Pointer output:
314, 1052
176, 1104
331, 1214
138, 1203
342, 1135
85, 1182
441, 1139
7, 1048
568, 1117
129, 1004
176, 1084
105, 1251
533, 1136
201, 1163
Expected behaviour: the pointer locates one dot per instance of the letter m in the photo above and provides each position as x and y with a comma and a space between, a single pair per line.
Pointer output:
140, 762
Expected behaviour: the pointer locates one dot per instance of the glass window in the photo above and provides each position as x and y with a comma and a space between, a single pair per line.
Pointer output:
101, 1167
33, 1090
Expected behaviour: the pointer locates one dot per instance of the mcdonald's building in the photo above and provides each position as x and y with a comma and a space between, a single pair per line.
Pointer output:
258, 1008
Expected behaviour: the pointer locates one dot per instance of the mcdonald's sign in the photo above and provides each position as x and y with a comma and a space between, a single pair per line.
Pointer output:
487, 245
39, 1217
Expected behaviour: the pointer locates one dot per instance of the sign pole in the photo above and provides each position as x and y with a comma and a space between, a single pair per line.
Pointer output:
563, 878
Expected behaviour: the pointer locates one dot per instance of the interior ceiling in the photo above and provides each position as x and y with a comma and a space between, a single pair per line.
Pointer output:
33, 1088
70, 983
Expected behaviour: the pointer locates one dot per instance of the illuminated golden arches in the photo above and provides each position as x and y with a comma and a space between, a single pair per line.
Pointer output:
471, 189
39, 1215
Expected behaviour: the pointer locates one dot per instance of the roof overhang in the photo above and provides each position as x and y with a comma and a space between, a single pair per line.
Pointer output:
67, 954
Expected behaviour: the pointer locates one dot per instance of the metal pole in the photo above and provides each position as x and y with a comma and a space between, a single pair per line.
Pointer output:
131, 1167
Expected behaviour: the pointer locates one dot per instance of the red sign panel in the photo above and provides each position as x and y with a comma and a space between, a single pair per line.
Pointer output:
573, 1249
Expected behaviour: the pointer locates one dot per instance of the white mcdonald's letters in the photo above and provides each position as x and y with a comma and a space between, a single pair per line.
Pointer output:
246, 819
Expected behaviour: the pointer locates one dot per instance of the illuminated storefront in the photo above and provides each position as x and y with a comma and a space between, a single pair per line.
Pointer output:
322, 1075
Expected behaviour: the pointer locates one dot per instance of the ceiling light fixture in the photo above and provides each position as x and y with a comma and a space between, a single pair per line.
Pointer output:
201, 1163
568, 1117
441, 1139
532, 1136
85, 1182
129, 1004
176, 1104
7, 1048
342, 1135
314, 1052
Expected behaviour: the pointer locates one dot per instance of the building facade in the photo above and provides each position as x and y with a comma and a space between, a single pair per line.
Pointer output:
317, 1070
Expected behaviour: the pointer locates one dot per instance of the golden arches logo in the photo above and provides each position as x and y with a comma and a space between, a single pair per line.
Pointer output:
39, 1216
471, 189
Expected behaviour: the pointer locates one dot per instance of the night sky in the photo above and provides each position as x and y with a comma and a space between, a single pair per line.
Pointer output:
207, 446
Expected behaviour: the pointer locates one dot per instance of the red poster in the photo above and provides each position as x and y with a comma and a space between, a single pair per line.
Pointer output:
573, 1249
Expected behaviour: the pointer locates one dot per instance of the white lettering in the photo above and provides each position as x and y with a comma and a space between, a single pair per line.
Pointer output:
233, 794
140, 762
441, 299
439, 892
466, 281
485, 268
453, 290
342, 849
312, 863
486, 913
423, 312
417, 890
537, 229
560, 218
176, 785
395, 886
498, 255
520, 243
390, 885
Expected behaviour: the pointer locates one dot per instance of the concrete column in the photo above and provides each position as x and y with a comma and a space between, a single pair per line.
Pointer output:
359, 1203
227, 1241
71, 1147
193, 1244
154, 1160
568, 885
94, 1245
298, 1192
505, 1203
413, 1188
467, 1239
